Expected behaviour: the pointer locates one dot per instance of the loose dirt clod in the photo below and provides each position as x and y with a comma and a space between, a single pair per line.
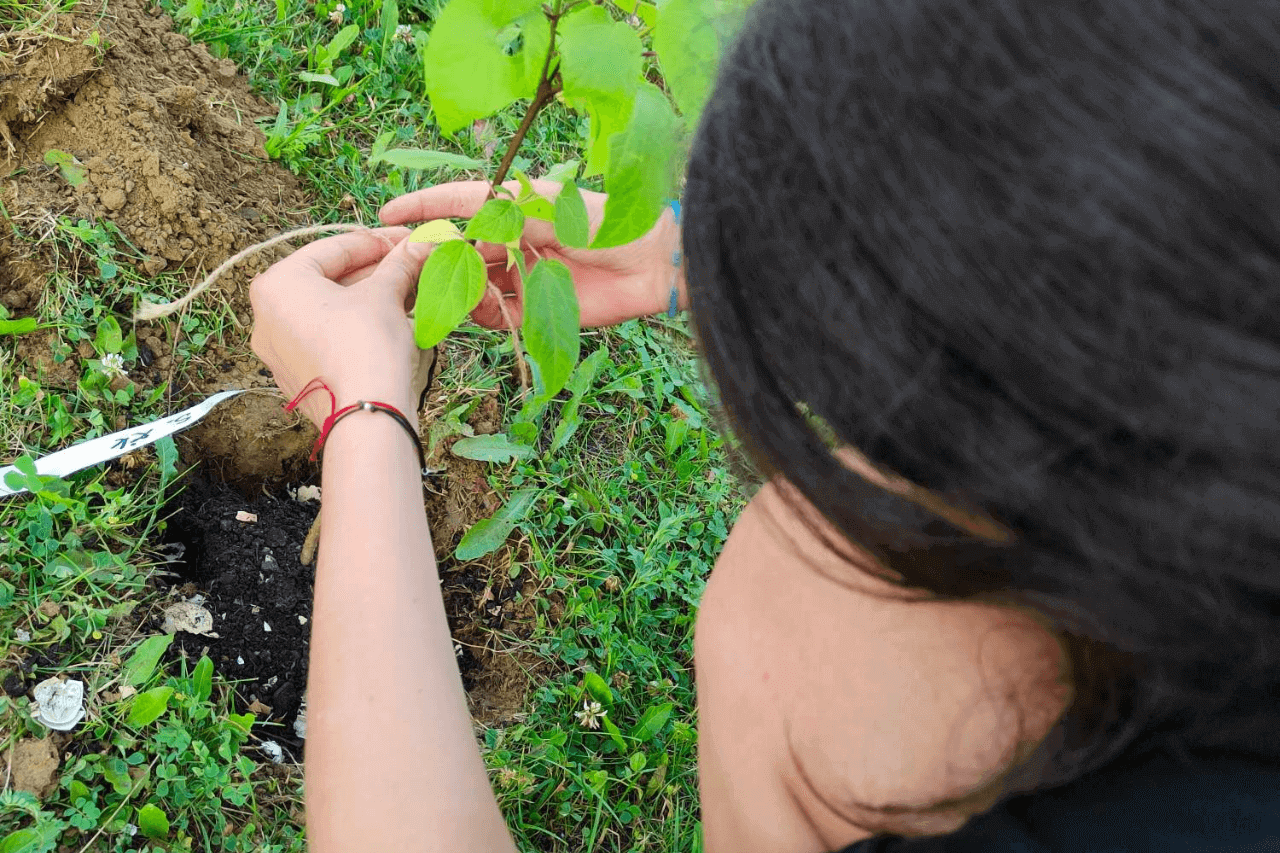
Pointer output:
35, 766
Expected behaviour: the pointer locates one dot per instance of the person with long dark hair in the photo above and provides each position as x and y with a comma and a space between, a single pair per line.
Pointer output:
990, 295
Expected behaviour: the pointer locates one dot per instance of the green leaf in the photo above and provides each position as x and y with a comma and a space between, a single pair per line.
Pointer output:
109, 338
202, 679
537, 208
77, 791
585, 374
551, 323
607, 119
138, 668
677, 431
526, 186
614, 734
600, 58
390, 18
22, 841
499, 221
491, 448
18, 327
481, 57
71, 169
690, 37
167, 454
380, 145
343, 40
641, 172
327, 79
241, 723
116, 774
418, 158
572, 227
652, 722
487, 535
152, 822
597, 688
450, 286
148, 707
561, 172
515, 258
435, 231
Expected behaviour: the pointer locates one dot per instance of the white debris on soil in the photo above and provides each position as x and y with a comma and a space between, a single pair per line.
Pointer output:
273, 751
302, 620
239, 660
21, 636
306, 494
190, 617
246, 517
300, 724
266, 628
58, 704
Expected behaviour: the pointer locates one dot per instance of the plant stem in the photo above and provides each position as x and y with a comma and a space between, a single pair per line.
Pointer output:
515, 335
548, 86
546, 91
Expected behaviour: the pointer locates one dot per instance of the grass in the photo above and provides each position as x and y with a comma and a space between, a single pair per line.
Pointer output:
634, 500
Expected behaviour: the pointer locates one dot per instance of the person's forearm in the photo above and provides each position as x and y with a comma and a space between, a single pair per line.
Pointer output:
392, 763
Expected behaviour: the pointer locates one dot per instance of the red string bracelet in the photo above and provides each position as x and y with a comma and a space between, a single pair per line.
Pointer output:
336, 414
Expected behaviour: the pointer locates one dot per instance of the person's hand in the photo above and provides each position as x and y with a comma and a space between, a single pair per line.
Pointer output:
613, 285
336, 310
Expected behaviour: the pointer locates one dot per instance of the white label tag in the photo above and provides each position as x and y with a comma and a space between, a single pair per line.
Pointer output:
77, 457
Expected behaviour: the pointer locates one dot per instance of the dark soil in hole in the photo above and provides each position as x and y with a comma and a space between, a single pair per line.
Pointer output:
258, 592
260, 595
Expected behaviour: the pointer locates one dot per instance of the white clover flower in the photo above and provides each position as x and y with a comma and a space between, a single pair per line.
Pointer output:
591, 715
338, 15
404, 33
113, 364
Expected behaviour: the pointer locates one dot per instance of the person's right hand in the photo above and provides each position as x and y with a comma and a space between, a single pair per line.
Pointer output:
613, 285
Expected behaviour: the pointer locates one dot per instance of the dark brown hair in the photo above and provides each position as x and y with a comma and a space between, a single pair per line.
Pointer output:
1024, 255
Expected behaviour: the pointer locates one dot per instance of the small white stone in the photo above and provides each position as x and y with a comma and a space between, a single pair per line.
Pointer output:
189, 617
273, 751
302, 620
239, 660
266, 627
306, 494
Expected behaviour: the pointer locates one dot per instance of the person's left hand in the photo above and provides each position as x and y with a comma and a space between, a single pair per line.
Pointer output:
336, 309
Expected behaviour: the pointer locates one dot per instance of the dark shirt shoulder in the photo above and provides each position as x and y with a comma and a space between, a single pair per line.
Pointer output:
1215, 804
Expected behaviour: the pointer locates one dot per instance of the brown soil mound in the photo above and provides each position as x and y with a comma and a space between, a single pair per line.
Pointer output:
172, 157
165, 135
